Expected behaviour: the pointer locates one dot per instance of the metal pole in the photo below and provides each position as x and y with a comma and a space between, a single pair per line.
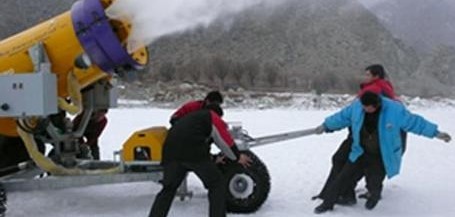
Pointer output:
281, 137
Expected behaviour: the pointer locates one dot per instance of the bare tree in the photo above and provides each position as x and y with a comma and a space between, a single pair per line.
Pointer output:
167, 71
322, 82
194, 69
237, 71
251, 71
221, 68
271, 73
210, 74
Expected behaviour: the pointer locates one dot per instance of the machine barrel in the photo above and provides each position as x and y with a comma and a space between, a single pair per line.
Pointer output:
84, 32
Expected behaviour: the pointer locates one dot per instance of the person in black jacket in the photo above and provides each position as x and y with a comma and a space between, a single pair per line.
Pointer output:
187, 148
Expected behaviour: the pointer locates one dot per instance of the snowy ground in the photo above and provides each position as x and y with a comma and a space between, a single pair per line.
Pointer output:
426, 186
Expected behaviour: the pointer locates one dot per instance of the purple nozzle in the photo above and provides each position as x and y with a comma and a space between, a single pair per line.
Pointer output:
96, 36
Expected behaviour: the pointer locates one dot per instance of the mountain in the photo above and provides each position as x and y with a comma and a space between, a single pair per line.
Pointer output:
314, 45
420, 23
435, 74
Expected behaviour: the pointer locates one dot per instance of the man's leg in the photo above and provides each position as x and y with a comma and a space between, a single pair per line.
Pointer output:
374, 175
347, 195
339, 159
173, 175
214, 182
342, 181
95, 150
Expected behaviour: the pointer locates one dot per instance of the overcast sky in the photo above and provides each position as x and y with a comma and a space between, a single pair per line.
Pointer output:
154, 18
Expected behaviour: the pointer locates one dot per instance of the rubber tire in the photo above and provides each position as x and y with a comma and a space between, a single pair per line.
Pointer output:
259, 174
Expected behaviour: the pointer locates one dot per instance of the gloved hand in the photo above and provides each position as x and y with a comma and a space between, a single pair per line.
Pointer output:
444, 136
320, 129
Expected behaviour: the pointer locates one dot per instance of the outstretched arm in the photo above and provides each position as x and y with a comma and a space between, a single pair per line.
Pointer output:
339, 120
418, 125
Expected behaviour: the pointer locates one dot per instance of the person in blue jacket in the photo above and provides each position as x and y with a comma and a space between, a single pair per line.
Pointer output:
376, 123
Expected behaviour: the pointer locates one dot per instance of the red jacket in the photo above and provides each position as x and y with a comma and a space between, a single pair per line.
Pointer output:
186, 109
378, 86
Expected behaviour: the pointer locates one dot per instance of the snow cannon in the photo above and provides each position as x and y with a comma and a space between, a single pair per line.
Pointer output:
54, 60
58, 68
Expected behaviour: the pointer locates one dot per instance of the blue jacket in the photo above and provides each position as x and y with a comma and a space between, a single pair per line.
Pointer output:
393, 118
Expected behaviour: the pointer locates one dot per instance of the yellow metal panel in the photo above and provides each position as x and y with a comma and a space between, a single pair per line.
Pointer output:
152, 138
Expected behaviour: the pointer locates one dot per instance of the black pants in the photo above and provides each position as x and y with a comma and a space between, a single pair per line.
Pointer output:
95, 151
374, 174
175, 172
373, 168
340, 158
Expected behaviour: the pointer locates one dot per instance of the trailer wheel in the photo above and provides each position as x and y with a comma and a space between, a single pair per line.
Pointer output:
247, 188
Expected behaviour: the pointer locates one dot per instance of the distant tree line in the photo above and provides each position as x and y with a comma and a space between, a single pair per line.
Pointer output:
225, 73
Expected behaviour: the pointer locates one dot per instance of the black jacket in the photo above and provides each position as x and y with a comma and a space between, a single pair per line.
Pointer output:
190, 138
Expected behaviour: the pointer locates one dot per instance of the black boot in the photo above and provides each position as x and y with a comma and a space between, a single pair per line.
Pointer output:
372, 200
322, 208
346, 200
367, 195
95, 152
371, 203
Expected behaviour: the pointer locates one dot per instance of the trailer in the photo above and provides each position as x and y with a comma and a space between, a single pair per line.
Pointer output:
247, 188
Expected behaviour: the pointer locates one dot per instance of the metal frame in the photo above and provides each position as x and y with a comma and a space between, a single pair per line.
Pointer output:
30, 179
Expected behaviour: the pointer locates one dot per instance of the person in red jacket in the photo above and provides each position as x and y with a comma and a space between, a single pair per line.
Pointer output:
187, 148
213, 97
93, 131
375, 81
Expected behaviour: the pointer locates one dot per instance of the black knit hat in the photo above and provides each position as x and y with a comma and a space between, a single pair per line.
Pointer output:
216, 108
214, 97
370, 99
